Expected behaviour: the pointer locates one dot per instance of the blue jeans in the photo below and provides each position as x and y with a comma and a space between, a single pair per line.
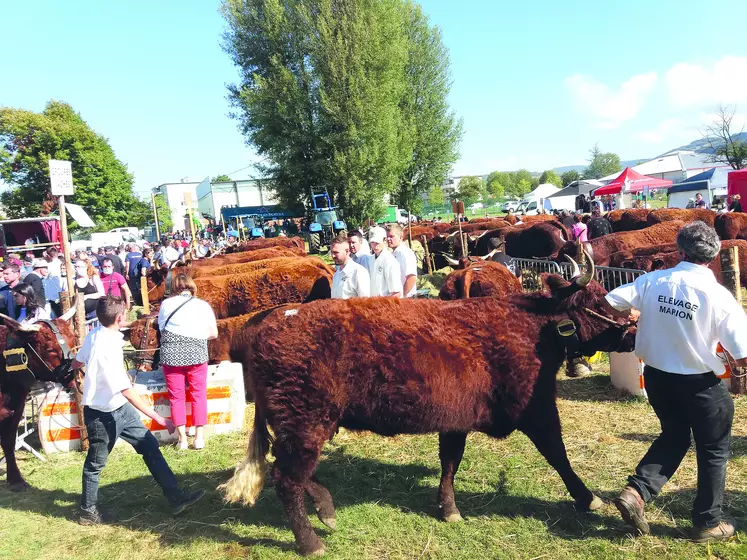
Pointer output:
103, 430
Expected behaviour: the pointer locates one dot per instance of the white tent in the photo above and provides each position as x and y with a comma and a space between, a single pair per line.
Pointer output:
542, 191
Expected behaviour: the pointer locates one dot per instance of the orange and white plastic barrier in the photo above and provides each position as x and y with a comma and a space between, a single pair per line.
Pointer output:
58, 411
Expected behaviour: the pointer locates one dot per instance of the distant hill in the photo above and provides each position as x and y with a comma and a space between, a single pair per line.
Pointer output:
700, 146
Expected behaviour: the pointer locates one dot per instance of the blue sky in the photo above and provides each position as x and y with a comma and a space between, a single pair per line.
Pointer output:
537, 83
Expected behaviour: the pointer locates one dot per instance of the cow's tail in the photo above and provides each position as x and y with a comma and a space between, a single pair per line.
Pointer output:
248, 478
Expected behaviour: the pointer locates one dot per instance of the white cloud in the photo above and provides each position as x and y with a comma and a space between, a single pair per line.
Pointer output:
662, 131
693, 85
608, 106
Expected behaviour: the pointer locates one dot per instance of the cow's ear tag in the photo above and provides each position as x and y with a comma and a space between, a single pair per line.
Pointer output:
566, 328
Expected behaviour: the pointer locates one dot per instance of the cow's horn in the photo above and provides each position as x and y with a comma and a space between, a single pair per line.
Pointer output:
576, 271
70, 313
10, 322
452, 262
588, 276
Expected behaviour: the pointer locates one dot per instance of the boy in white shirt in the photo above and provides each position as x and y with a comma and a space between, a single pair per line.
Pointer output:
110, 410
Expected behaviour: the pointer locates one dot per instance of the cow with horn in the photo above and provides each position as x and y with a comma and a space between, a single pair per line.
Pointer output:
408, 366
31, 353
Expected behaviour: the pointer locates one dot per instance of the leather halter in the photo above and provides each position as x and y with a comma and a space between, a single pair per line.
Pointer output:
16, 357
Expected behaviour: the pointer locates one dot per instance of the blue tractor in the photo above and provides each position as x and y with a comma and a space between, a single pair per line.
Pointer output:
326, 224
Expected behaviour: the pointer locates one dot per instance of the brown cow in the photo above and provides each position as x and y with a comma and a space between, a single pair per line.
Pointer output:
249, 256
731, 226
47, 361
480, 279
264, 243
628, 220
603, 247
395, 366
684, 215
626, 259
669, 256
543, 239
250, 266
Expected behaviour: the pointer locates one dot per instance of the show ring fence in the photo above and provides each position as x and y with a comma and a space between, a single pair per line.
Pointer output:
609, 277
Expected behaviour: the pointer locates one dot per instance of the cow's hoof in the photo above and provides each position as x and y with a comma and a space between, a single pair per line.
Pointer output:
330, 522
318, 551
595, 504
20, 486
453, 517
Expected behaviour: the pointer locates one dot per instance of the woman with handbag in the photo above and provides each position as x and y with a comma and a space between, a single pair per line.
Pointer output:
186, 324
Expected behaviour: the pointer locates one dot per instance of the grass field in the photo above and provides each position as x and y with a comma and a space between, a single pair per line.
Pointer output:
514, 505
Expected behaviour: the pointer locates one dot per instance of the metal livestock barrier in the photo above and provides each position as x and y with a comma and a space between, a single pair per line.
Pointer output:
609, 277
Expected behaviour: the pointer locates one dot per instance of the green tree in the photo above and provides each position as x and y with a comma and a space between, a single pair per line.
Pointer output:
28, 140
221, 179
342, 94
436, 196
496, 184
602, 164
434, 130
569, 176
520, 183
165, 222
549, 176
471, 189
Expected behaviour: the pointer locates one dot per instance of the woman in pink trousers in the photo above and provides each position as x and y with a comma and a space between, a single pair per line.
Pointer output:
186, 324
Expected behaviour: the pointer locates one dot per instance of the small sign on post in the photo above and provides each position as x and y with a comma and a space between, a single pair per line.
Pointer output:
61, 177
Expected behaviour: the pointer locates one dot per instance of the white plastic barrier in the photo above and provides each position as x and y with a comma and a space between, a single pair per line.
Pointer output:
626, 373
58, 412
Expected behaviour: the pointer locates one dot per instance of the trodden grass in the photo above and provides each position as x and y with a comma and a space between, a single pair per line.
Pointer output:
514, 505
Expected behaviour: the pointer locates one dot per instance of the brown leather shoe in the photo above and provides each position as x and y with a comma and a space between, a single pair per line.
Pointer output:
631, 505
721, 532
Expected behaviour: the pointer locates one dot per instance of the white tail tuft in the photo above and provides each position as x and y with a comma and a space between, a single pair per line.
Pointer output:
248, 479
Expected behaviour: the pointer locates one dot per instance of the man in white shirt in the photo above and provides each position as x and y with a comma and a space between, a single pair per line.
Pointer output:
360, 251
383, 268
408, 264
684, 314
350, 279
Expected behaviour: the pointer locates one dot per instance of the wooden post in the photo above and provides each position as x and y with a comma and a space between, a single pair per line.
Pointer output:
464, 245
409, 227
80, 331
155, 216
144, 294
730, 275
66, 248
426, 255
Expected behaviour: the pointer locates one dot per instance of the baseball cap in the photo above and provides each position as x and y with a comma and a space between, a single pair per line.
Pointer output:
376, 235
40, 263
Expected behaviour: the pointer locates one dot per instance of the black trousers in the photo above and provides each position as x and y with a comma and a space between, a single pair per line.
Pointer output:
685, 404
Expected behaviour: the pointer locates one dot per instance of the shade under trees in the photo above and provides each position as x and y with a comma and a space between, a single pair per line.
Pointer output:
344, 94
103, 186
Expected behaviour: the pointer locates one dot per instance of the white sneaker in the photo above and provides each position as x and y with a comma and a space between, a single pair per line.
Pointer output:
182, 445
191, 431
199, 443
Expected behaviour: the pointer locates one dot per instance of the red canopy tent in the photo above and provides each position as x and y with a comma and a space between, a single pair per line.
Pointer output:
630, 181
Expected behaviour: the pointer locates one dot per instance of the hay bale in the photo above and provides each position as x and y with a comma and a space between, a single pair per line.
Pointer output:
432, 282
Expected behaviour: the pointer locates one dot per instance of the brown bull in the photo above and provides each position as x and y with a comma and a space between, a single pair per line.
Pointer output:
397, 366
731, 226
626, 259
684, 215
480, 279
47, 362
628, 220
603, 247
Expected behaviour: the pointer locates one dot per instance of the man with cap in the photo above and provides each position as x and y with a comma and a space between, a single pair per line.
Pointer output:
383, 268
350, 279
684, 314
405, 257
